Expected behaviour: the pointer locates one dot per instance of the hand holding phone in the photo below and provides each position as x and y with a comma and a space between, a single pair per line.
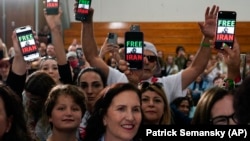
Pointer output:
52, 7
134, 44
27, 43
82, 10
225, 34
112, 38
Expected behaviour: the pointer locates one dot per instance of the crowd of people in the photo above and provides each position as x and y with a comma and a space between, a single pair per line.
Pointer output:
77, 94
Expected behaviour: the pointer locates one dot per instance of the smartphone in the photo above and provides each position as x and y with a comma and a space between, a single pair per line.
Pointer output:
134, 44
79, 52
82, 10
226, 24
27, 43
112, 38
135, 28
52, 7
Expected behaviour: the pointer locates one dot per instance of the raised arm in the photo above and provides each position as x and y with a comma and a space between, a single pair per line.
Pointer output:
202, 56
55, 25
89, 45
17, 74
18, 64
232, 60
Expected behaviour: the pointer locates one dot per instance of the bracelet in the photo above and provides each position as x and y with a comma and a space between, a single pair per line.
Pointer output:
229, 84
205, 44
237, 79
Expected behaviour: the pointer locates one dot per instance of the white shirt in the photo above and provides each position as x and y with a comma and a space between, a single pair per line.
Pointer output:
172, 84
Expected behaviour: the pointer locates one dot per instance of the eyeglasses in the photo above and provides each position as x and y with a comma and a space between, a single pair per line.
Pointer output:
223, 120
151, 58
146, 85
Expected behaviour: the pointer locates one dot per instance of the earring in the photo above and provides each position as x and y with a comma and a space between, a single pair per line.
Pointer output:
104, 122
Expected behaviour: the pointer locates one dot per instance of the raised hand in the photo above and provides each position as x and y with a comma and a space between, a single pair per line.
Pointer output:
134, 76
90, 14
54, 21
16, 45
232, 56
208, 27
108, 48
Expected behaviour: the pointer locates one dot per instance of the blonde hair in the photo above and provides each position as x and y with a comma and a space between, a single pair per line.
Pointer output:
166, 117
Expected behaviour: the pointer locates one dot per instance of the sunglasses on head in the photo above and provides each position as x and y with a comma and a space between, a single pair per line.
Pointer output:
151, 58
48, 57
146, 85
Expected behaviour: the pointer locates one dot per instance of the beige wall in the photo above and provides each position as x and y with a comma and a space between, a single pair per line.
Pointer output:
161, 10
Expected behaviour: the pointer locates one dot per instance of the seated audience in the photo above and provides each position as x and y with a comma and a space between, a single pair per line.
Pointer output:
181, 57
170, 67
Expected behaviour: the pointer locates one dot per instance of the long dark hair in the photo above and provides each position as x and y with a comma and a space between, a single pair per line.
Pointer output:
38, 84
14, 109
92, 69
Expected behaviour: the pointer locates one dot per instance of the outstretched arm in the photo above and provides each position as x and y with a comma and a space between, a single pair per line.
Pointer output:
202, 56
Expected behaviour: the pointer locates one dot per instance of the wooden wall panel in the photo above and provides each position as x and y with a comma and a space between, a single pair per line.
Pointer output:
18, 13
165, 35
42, 21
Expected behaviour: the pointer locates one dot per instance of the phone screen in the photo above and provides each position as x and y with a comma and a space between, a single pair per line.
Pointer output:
27, 43
226, 25
52, 7
134, 44
82, 10
79, 53
112, 38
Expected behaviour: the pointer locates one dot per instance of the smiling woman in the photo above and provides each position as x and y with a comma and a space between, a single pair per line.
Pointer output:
117, 114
